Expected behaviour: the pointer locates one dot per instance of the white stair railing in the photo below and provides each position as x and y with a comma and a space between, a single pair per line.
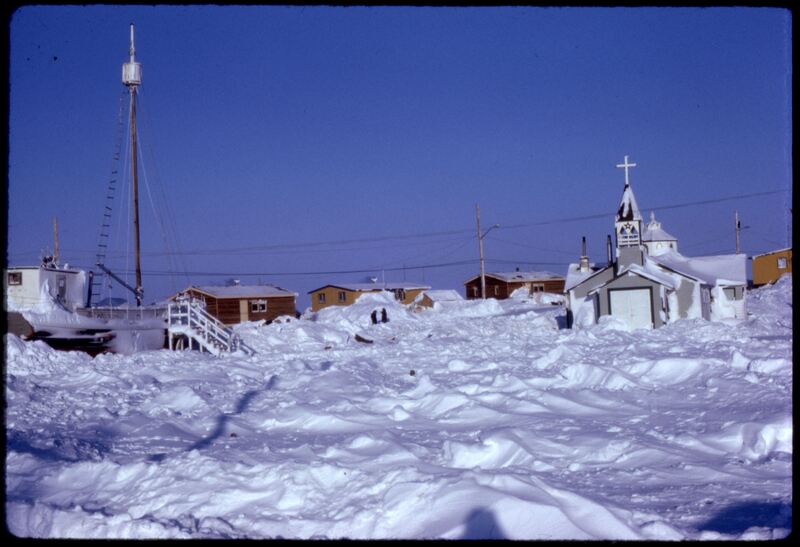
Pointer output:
187, 316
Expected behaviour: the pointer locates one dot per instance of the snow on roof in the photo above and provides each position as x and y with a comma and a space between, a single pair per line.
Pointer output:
657, 234
243, 291
654, 232
62, 269
575, 276
628, 209
442, 295
712, 270
518, 276
369, 287
654, 274
773, 252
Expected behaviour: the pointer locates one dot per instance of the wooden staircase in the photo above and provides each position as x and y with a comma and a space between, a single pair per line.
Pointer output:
190, 326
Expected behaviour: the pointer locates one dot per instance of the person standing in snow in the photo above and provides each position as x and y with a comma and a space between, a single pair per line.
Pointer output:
374, 317
384, 319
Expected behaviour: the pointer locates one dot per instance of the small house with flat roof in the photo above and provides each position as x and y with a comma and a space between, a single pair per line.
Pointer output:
500, 285
236, 303
344, 294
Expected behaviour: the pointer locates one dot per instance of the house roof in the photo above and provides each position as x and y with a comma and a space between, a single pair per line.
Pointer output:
575, 276
370, 287
772, 252
442, 295
243, 291
523, 277
714, 270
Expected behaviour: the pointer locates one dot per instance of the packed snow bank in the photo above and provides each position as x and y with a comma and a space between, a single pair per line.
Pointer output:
479, 421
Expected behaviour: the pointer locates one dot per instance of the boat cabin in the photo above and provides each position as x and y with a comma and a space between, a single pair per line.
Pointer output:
28, 286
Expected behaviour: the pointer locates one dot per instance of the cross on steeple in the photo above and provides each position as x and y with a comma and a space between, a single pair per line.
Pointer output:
626, 166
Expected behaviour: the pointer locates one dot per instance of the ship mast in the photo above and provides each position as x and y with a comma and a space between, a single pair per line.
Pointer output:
132, 77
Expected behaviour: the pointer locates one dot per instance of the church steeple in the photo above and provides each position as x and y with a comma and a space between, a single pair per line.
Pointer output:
628, 221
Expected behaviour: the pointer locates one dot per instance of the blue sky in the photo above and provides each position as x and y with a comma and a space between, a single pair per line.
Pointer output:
292, 142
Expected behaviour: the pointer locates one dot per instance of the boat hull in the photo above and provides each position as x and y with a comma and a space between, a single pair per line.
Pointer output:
100, 331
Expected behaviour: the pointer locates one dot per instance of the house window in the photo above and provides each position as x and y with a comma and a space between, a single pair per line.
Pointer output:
342, 296
258, 306
782, 263
15, 278
537, 287
321, 298
496, 290
400, 294
730, 292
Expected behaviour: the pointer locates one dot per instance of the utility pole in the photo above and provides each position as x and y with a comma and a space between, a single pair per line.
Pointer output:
738, 229
480, 247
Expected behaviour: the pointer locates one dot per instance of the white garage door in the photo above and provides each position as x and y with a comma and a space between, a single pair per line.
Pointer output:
633, 307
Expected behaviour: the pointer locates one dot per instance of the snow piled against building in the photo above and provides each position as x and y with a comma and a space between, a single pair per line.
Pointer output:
479, 420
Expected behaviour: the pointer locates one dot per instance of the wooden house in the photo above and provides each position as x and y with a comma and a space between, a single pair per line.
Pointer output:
427, 299
239, 303
650, 289
501, 285
346, 293
769, 267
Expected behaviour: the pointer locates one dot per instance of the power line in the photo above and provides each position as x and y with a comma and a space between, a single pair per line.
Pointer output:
658, 208
332, 272
289, 248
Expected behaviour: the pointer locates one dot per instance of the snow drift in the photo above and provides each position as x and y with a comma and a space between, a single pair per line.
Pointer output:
479, 419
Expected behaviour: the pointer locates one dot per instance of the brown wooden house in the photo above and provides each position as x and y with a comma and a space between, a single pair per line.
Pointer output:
347, 293
501, 285
769, 267
238, 303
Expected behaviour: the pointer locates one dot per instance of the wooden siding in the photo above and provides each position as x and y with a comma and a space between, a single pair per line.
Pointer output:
411, 294
228, 310
499, 289
765, 268
331, 296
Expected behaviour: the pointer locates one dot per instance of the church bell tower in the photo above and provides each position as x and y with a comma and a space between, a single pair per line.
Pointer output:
628, 224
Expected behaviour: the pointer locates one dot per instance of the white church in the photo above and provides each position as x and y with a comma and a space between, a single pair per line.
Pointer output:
647, 283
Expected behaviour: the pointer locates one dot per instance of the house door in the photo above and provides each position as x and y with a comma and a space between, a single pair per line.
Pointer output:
61, 288
632, 306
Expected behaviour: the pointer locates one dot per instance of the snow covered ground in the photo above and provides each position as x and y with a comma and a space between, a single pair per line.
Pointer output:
469, 420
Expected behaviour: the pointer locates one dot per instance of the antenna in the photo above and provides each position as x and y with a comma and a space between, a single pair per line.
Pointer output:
132, 71
55, 239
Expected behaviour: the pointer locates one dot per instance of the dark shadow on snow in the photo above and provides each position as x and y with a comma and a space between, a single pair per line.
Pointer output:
481, 524
736, 519
222, 420
57, 447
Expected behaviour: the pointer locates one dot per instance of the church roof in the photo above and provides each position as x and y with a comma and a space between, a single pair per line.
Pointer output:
628, 209
575, 276
713, 270
654, 232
